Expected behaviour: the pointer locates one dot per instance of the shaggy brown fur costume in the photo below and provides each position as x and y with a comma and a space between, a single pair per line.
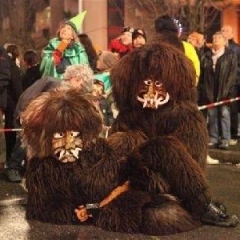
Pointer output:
57, 185
179, 117
162, 146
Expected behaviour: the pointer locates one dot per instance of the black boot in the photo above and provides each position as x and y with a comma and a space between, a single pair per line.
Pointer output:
217, 216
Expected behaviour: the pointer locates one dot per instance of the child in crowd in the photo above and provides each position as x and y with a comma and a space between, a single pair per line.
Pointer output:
103, 102
139, 38
32, 73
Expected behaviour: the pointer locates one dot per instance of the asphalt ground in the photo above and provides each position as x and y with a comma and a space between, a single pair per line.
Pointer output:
230, 156
224, 181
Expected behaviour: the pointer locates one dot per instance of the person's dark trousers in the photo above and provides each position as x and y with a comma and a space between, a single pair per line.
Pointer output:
17, 156
10, 136
239, 100
238, 110
234, 118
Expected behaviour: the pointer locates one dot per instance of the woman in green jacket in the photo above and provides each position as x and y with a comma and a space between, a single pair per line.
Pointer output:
64, 50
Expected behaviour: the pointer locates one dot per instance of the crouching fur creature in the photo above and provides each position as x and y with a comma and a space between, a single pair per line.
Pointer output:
68, 165
160, 138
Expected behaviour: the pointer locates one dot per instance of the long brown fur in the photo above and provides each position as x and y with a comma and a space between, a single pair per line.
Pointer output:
162, 151
56, 111
178, 117
159, 61
55, 189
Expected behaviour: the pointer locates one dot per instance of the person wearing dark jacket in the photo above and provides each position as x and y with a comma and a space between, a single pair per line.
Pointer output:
14, 91
4, 78
228, 32
32, 73
218, 76
198, 40
167, 30
4, 81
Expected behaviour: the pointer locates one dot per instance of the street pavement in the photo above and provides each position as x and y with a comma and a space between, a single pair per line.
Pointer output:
224, 181
232, 155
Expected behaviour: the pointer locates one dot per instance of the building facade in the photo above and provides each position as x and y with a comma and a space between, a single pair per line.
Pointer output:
105, 19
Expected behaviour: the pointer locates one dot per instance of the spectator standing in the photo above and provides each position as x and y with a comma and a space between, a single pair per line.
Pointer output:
122, 44
4, 81
198, 41
32, 65
168, 31
218, 80
64, 50
14, 90
228, 32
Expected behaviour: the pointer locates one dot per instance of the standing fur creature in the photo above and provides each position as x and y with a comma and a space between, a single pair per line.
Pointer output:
68, 165
160, 139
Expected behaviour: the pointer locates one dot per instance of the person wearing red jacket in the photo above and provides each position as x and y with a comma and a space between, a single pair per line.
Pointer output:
122, 44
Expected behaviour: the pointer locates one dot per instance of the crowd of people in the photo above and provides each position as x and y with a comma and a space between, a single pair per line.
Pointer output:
70, 58
219, 81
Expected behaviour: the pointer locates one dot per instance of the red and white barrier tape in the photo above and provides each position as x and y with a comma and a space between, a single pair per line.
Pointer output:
211, 105
10, 129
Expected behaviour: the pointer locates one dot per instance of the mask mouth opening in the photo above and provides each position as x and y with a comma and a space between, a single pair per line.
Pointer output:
153, 95
67, 156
